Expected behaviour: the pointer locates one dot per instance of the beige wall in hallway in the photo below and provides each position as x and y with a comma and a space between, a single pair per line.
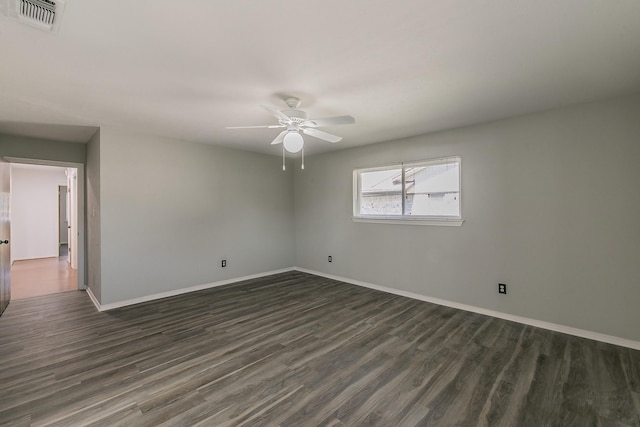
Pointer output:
34, 210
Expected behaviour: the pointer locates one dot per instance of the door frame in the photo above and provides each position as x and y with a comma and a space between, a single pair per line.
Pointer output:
82, 242
66, 204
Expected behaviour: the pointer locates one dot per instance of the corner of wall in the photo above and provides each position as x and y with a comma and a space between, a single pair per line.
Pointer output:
93, 233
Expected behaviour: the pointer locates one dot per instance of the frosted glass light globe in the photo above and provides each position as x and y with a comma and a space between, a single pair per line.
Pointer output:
293, 142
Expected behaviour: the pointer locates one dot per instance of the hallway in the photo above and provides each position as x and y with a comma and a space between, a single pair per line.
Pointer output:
30, 278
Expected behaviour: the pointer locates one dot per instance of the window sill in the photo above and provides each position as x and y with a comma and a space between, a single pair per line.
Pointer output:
410, 221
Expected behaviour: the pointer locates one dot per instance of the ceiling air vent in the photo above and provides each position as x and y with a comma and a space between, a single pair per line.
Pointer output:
42, 14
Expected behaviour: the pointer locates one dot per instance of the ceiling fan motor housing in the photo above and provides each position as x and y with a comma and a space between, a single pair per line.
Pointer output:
297, 116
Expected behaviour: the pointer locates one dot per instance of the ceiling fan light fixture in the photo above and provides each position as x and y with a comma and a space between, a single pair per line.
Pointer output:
293, 141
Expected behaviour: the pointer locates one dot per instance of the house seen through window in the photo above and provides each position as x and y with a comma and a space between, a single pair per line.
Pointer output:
428, 189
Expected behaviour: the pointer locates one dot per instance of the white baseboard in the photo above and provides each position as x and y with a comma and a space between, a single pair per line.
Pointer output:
610, 339
93, 298
146, 298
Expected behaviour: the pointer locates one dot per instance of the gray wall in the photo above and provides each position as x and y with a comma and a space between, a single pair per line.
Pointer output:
30, 148
171, 210
93, 279
551, 207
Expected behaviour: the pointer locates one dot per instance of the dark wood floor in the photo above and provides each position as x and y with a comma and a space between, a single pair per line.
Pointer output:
300, 350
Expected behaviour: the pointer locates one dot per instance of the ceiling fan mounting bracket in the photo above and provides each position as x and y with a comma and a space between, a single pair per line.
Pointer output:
292, 102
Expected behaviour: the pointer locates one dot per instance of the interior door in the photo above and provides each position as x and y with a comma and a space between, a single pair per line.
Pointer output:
5, 229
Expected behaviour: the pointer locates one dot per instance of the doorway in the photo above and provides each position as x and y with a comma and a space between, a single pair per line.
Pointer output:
47, 224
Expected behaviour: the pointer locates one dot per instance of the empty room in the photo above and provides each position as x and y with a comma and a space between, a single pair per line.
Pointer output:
322, 213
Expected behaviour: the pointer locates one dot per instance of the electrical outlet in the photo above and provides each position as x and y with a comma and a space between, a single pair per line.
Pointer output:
330, 258
502, 288
224, 263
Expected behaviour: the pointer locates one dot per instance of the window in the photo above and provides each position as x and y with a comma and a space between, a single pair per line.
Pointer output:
427, 191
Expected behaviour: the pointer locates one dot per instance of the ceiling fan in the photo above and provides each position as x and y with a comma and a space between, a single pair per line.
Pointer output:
296, 121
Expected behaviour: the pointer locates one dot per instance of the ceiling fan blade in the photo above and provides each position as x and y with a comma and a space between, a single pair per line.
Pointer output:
276, 113
254, 127
329, 121
279, 138
321, 135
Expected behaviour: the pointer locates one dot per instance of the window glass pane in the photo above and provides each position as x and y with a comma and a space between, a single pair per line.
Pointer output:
433, 189
381, 192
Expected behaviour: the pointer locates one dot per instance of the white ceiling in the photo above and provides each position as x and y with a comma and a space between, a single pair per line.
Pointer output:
186, 69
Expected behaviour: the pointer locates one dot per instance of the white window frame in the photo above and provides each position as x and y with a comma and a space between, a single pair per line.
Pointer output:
436, 220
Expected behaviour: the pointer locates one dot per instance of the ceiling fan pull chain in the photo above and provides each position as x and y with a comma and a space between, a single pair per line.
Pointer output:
283, 167
302, 157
